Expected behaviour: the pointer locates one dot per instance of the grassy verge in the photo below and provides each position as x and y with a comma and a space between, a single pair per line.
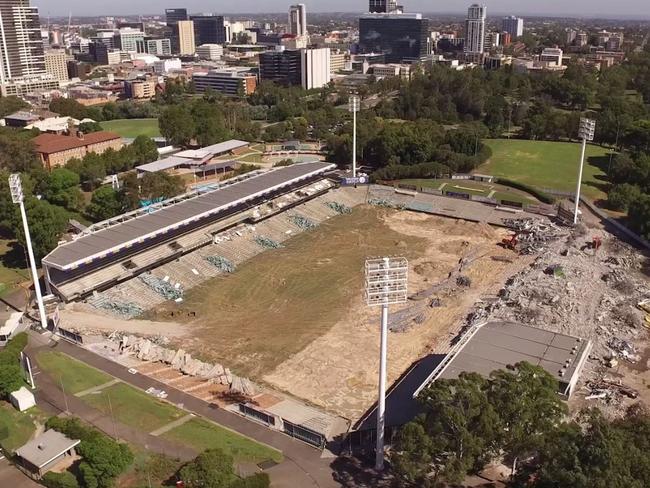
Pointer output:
133, 127
16, 428
473, 188
12, 268
201, 435
546, 164
75, 375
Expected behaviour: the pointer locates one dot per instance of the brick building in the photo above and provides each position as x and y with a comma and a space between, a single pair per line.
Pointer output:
56, 149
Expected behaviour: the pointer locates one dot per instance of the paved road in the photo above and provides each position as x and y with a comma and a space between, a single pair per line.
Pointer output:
303, 467
12, 477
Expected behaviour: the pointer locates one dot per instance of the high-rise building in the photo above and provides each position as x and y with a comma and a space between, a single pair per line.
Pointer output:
209, 29
127, 39
175, 15
184, 35
513, 25
298, 20
382, 6
281, 66
315, 67
475, 29
21, 46
56, 64
401, 37
156, 47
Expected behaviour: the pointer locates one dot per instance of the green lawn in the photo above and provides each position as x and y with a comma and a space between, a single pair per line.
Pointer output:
76, 376
16, 428
201, 435
133, 127
473, 188
12, 270
133, 407
546, 164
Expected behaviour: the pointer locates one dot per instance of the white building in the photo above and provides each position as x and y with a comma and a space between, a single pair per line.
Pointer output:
185, 34
552, 55
56, 64
212, 52
127, 39
166, 65
475, 29
298, 20
315, 67
513, 25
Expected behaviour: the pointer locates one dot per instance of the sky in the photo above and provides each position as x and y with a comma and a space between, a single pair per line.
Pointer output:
586, 8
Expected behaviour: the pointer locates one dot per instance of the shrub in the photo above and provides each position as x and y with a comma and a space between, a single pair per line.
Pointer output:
258, 480
60, 480
621, 196
540, 195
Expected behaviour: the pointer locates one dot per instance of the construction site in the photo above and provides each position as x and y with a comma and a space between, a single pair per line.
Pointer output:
261, 309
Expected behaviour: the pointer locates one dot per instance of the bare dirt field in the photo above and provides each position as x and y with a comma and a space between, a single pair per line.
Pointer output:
295, 319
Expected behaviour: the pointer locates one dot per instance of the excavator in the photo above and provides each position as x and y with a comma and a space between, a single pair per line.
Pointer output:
510, 242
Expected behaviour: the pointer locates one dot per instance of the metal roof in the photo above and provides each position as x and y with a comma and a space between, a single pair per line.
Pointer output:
498, 345
45, 448
214, 149
204, 168
161, 220
163, 164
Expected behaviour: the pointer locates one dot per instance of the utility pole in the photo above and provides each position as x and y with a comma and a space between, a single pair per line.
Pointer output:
354, 106
17, 196
586, 133
386, 284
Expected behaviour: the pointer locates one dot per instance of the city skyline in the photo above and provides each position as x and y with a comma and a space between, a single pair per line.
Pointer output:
638, 9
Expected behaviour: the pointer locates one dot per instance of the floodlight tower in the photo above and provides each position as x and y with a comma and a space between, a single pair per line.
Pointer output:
354, 105
586, 133
16, 189
386, 284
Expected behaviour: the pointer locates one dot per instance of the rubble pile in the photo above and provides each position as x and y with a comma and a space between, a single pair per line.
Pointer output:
221, 263
123, 310
339, 207
303, 222
146, 350
382, 202
533, 235
267, 242
162, 287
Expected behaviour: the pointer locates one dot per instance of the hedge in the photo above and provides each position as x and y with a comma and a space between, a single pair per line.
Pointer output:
540, 195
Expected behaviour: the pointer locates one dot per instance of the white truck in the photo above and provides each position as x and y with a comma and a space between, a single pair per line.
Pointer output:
12, 326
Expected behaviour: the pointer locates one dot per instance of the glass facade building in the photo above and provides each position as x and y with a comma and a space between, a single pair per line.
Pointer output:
401, 37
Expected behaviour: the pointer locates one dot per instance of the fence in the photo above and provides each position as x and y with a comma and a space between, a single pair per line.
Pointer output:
304, 434
69, 335
263, 417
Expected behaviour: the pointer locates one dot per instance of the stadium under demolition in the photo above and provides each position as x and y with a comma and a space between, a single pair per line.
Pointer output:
248, 294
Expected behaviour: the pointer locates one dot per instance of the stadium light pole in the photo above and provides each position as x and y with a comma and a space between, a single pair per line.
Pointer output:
17, 196
386, 284
586, 133
354, 105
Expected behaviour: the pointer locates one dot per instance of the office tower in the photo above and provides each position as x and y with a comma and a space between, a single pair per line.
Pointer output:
175, 15
298, 20
401, 37
56, 64
209, 29
475, 29
571, 35
281, 66
155, 46
513, 25
21, 46
382, 6
127, 39
315, 67
184, 38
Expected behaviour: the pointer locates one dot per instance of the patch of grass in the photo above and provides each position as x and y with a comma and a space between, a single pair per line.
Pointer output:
13, 269
16, 428
202, 435
133, 407
76, 376
551, 165
133, 127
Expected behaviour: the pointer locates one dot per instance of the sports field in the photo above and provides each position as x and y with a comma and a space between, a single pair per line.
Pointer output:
490, 190
133, 127
546, 164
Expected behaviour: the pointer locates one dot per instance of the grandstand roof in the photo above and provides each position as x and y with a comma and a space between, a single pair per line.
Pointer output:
213, 150
160, 220
163, 164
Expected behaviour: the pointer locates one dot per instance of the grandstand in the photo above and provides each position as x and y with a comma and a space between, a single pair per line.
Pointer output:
116, 250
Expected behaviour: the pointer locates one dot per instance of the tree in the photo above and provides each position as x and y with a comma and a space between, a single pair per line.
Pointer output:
59, 480
211, 469
145, 150
68, 107
88, 127
639, 215
103, 460
177, 125
105, 204
9, 105
160, 185
620, 197
62, 188
46, 224
11, 379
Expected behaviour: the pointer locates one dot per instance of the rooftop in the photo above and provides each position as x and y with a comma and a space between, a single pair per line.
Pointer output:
53, 143
45, 448
213, 150
171, 216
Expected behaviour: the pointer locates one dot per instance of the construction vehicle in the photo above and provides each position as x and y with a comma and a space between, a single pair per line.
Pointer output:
510, 242
644, 305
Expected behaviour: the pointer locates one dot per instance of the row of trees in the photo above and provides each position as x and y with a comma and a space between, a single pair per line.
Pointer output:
11, 374
516, 417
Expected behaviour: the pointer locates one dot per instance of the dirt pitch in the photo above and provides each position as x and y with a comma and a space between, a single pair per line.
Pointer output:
294, 318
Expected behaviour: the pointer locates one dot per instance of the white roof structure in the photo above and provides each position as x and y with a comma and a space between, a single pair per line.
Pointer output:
22, 399
163, 164
46, 448
213, 150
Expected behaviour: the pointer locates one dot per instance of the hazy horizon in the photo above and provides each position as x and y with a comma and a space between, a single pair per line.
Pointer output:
623, 10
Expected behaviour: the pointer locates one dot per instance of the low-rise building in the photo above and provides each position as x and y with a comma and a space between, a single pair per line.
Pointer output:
229, 81
46, 452
552, 55
211, 52
337, 61
19, 87
140, 89
164, 66
391, 70
56, 149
